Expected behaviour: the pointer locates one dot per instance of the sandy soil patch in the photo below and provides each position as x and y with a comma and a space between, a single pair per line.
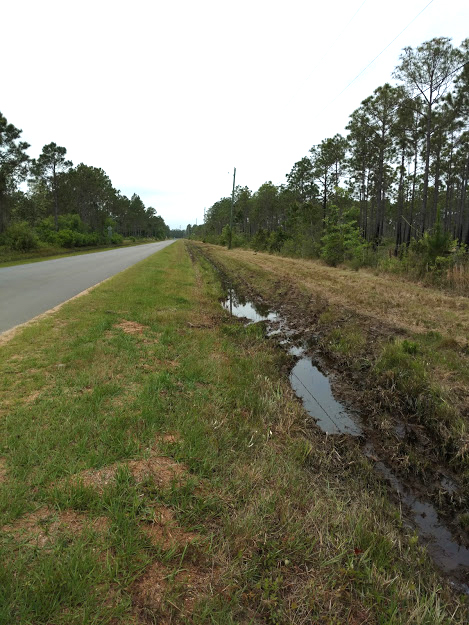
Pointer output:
164, 531
169, 437
42, 527
160, 593
3, 470
130, 327
32, 397
162, 470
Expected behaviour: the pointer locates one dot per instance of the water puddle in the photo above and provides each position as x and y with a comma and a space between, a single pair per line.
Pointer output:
314, 390
241, 307
445, 551
449, 485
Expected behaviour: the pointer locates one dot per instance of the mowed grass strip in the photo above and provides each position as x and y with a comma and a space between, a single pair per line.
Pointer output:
156, 468
405, 346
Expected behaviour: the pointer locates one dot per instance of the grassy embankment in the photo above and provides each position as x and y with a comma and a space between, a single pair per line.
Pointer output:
9, 257
155, 468
403, 346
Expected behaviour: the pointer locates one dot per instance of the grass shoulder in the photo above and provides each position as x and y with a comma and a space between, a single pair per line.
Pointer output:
156, 467
10, 258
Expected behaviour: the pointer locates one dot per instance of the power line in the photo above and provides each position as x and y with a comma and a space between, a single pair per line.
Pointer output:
311, 394
378, 55
329, 48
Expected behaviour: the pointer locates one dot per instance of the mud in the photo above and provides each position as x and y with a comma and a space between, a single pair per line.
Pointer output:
328, 390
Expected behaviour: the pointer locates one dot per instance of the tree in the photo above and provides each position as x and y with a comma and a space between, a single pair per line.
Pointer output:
48, 167
88, 191
428, 72
327, 160
13, 165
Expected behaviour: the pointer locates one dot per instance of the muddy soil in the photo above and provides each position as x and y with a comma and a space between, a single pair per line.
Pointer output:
403, 453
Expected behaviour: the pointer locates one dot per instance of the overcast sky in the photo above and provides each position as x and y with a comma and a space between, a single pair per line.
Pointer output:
168, 96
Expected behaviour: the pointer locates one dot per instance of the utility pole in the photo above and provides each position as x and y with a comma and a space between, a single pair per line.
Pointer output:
231, 212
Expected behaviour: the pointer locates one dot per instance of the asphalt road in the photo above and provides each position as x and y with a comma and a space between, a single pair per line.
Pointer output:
29, 290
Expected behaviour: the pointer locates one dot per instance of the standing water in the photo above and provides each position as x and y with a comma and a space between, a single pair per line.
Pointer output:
314, 390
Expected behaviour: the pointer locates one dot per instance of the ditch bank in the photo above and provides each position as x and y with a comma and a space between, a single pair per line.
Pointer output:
343, 399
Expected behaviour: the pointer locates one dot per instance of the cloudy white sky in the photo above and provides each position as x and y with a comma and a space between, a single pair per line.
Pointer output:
167, 96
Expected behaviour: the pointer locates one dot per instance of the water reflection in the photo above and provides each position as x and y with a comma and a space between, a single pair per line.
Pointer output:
239, 306
314, 390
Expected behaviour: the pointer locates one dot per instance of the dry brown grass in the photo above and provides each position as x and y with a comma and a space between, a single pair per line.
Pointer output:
162, 470
43, 527
3, 470
130, 327
409, 306
164, 531
161, 593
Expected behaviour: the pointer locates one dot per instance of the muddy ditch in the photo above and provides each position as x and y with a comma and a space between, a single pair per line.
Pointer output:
336, 404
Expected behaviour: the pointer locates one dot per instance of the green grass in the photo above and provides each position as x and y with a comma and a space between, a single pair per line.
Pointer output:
11, 258
285, 525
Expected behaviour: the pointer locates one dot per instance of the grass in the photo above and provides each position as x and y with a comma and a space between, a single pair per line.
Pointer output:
156, 467
11, 258
402, 348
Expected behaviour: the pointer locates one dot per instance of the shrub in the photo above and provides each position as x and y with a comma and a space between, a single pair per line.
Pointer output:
66, 238
342, 239
260, 240
276, 240
117, 239
21, 237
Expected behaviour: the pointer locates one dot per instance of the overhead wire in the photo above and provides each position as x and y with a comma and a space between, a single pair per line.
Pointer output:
378, 55
327, 50
317, 401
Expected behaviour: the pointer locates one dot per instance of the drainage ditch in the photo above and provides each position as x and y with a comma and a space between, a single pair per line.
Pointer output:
312, 386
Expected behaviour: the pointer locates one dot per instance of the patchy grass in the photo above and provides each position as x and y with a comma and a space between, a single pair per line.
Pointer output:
156, 467
402, 348
10, 258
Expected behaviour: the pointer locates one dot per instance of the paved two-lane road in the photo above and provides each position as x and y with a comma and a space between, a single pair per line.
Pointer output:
29, 290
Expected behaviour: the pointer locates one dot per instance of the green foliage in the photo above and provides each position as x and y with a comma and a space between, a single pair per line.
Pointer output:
434, 246
225, 235
342, 239
276, 240
260, 240
20, 236
117, 239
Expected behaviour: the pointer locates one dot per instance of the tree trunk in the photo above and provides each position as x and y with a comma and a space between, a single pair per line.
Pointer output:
427, 162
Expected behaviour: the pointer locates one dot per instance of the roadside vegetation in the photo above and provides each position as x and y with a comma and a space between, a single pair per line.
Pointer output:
390, 195
155, 467
402, 352
62, 207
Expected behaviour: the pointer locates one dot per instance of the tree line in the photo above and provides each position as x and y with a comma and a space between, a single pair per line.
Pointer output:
400, 173
50, 199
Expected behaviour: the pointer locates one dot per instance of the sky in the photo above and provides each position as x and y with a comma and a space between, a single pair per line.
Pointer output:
169, 96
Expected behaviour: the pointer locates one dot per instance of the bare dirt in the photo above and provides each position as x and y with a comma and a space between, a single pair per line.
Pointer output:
164, 531
162, 595
3, 470
43, 527
162, 470
130, 327
315, 301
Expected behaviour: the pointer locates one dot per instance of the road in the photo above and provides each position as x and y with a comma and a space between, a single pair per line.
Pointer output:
29, 290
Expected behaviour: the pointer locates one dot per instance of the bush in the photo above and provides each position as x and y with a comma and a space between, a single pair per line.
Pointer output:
66, 238
276, 240
117, 239
260, 240
342, 240
21, 237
